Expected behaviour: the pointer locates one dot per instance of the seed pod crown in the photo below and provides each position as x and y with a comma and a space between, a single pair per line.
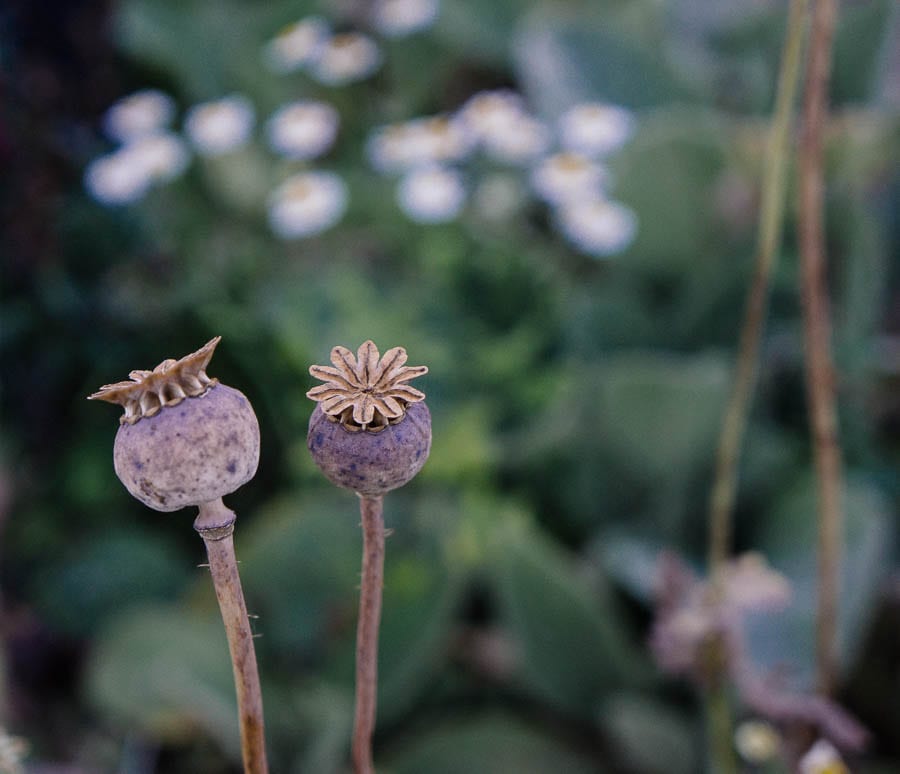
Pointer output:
166, 385
366, 392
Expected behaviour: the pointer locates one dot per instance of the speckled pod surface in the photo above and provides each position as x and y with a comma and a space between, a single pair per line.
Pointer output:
200, 449
371, 463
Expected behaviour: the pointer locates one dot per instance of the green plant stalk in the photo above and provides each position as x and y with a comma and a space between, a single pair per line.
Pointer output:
724, 487
215, 524
820, 386
371, 513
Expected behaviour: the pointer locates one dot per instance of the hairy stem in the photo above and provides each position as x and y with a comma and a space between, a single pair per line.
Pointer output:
820, 382
371, 511
722, 493
216, 526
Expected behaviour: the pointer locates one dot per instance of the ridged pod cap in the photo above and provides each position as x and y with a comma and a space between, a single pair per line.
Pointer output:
184, 439
371, 432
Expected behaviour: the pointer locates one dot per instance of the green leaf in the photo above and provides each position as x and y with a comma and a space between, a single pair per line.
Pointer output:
487, 743
661, 413
788, 539
566, 630
106, 573
166, 672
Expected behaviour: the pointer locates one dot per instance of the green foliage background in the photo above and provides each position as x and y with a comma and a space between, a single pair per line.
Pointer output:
576, 403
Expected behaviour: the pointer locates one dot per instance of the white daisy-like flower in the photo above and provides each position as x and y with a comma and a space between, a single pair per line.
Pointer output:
756, 741
499, 196
164, 156
521, 142
346, 58
595, 129
822, 758
125, 176
303, 130
403, 146
561, 177
596, 226
500, 122
296, 45
431, 194
139, 114
116, 178
307, 204
489, 113
399, 18
221, 126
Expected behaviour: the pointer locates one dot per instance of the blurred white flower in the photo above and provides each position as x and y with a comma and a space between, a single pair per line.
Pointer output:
13, 750
116, 179
499, 121
125, 176
296, 45
398, 18
346, 58
520, 143
431, 194
565, 176
756, 741
220, 126
139, 114
596, 226
307, 204
303, 130
499, 196
403, 146
822, 758
595, 129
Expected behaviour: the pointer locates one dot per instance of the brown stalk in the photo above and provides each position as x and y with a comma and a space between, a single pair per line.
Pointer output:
371, 512
820, 380
215, 524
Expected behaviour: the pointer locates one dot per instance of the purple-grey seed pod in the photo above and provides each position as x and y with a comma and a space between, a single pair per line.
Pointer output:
371, 463
184, 439
371, 432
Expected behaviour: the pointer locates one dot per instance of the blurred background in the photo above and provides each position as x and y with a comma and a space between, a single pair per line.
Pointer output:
551, 204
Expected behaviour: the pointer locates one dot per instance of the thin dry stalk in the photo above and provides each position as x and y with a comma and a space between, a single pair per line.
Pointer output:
371, 512
820, 381
722, 494
216, 526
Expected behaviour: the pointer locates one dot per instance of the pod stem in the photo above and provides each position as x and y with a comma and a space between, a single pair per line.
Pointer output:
820, 378
371, 513
215, 524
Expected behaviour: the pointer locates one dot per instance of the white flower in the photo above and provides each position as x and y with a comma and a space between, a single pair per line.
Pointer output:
756, 741
499, 121
296, 45
595, 129
221, 126
596, 226
499, 196
307, 204
822, 758
116, 179
398, 18
403, 146
303, 130
565, 176
750, 584
125, 176
431, 194
346, 58
142, 113
518, 143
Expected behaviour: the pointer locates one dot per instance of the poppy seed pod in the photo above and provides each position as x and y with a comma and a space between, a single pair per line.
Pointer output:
185, 439
371, 432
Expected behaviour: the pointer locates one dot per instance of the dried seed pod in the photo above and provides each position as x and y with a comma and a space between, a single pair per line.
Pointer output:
371, 432
184, 439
